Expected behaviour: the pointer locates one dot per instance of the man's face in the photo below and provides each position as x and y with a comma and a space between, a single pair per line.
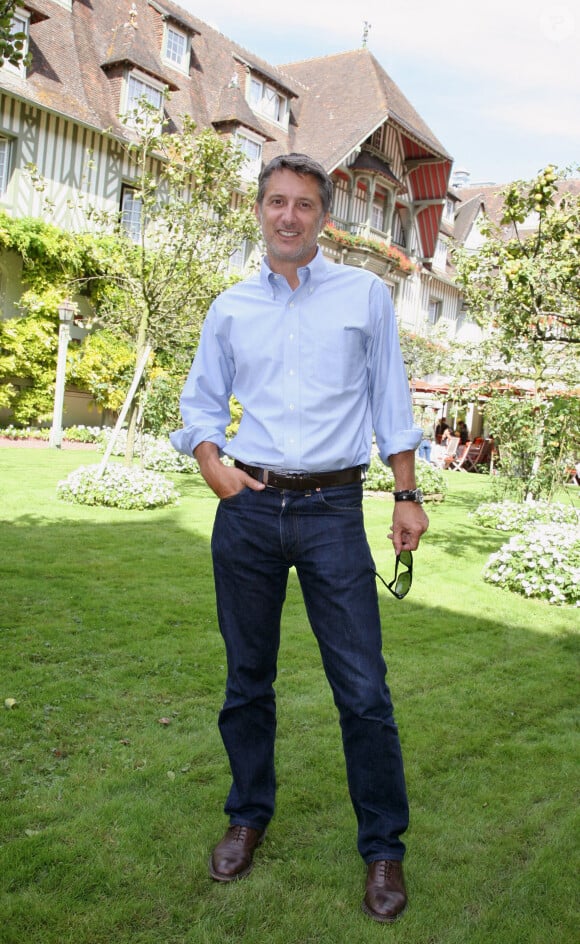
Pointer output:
291, 217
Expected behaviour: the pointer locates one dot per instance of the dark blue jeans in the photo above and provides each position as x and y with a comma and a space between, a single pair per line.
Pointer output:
257, 537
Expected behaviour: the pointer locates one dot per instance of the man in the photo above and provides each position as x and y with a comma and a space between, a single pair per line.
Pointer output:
310, 349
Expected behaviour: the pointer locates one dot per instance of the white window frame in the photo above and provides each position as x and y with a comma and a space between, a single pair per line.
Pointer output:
440, 257
262, 99
20, 24
170, 55
398, 230
147, 85
252, 166
240, 256
379, 211
435, 311
5, 163
131, 213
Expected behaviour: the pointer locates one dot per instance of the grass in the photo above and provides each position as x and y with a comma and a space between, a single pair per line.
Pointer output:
108, 813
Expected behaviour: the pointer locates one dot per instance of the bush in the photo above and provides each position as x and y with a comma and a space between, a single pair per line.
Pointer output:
429, 479
84, 434
161, 408
162, 457
156, 454
24, 432
543, 561
119, 486
516, 516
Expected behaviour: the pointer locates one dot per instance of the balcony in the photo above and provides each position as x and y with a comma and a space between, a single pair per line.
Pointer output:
369, 249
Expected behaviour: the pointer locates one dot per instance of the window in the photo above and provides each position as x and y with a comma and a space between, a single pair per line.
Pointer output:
140, 88
175, 47
398, 230
440, 257
378, 138
19, 25
131, 213
378, 211
252, 149
267, 101
4, 165
435, 310
239, 258
341, 200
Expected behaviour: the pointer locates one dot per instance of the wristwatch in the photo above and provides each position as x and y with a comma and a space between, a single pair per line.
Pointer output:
409, 494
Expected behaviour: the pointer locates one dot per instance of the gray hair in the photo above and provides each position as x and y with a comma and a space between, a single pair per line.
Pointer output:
299, 164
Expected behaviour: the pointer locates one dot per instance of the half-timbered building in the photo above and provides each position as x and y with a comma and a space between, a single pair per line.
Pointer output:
61, 121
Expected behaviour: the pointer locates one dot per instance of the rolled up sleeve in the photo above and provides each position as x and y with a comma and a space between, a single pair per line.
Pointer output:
205, 399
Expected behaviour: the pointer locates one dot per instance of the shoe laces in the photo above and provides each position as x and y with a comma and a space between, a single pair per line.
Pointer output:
239, 833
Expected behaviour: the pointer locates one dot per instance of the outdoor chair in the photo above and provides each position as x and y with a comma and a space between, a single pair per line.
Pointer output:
456, 462
482, 457
446, 453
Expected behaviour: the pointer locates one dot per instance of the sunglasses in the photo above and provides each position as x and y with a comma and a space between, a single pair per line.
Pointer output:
400, 585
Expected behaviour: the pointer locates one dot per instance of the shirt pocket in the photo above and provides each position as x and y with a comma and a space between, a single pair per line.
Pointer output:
340, 357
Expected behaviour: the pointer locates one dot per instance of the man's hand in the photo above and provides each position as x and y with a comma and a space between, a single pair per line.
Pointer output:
409, 519
409, 523
226, 481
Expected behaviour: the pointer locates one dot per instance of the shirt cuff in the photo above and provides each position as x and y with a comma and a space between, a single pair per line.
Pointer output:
406, 440
187, 439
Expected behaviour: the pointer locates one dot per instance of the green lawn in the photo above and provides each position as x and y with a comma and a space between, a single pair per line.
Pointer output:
107, 816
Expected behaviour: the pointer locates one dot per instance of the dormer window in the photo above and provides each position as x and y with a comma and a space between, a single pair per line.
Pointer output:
176, 47
267, 101
139, 88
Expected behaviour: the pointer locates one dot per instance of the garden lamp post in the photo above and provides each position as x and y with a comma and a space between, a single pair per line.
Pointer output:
66, 314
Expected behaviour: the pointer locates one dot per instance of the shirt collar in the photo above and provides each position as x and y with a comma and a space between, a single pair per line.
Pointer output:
314, 273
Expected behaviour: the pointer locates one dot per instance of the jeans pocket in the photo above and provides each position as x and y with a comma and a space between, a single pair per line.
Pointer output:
345, 498
236, 496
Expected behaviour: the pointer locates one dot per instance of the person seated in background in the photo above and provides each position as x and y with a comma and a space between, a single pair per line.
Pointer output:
442, 425
446, 435
462, 432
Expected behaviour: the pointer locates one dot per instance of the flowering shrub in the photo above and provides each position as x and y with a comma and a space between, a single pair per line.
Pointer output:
142, 441
162, 457
156, 454
119, 486
85, 434
543, 561
515, 516
429, 479
354, 241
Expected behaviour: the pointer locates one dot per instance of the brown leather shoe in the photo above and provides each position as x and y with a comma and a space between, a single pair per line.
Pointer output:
386, 895
233, 857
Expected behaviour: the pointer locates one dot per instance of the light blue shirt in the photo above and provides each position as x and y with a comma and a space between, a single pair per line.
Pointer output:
316, 370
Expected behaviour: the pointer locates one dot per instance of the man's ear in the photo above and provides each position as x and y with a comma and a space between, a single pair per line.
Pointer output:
258, 212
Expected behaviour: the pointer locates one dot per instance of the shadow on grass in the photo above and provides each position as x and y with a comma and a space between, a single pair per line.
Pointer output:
109, 630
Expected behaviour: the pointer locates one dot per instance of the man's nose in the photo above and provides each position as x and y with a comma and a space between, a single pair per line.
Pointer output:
289, 212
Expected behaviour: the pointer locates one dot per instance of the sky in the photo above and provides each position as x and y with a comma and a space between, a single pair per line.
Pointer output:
498, 82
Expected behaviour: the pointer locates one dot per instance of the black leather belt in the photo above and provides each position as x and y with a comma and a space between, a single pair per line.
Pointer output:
302, 481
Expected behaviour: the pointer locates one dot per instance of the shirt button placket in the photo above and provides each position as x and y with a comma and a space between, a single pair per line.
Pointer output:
291, 389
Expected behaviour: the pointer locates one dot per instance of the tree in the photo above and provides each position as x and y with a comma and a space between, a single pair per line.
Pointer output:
523, 288
12, 42
163, 273
52, 260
